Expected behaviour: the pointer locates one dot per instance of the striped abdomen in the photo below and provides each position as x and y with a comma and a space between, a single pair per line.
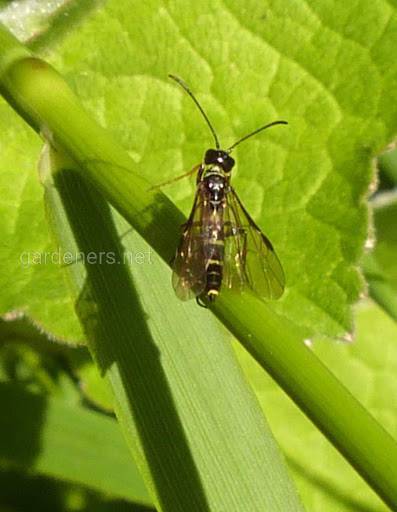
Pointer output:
214, 268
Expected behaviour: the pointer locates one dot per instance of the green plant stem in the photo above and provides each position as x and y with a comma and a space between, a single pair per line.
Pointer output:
41, 94
345, 422
378, 270
379, 287
384, 294
388, 164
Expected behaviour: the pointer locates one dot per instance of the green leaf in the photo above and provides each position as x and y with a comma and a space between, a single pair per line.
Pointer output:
49, 495
304, 184
57, 439
31, 280
368, 368
30, 357
380, 265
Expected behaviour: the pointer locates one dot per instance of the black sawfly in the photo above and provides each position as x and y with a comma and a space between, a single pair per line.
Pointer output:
221, 246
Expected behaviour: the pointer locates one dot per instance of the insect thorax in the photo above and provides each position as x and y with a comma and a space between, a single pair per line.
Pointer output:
215, 183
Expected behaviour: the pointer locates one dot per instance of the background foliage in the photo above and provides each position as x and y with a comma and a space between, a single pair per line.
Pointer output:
327, 68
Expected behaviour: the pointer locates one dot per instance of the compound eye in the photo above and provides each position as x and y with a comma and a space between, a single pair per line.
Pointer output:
211, 156
228, 164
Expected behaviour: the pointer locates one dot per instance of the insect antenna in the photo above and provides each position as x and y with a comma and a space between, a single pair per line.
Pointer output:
185, 86
254, 133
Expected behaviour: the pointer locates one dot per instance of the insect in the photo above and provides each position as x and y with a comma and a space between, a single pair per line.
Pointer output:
221, 246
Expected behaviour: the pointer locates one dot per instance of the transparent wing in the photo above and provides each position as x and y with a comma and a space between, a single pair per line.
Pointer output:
250, 259
189, 267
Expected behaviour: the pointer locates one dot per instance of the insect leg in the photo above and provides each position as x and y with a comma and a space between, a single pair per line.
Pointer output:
201, 303
185, 175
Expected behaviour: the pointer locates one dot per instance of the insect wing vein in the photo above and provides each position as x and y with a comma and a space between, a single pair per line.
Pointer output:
251, 259
235, 275
189, 267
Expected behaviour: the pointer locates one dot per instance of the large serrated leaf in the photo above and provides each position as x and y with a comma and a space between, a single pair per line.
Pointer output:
304, 185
